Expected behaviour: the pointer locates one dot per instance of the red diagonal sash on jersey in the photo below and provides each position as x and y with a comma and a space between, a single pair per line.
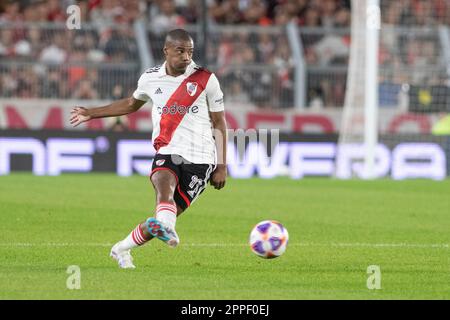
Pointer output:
169, 122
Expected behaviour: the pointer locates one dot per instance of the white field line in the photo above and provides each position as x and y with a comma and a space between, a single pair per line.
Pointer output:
225, 245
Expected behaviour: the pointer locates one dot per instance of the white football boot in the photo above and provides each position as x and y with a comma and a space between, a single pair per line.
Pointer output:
123, 257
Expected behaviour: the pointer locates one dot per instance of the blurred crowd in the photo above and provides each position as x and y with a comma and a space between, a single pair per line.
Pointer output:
166, 14
101, 60
410, 51
41, 57
415, 12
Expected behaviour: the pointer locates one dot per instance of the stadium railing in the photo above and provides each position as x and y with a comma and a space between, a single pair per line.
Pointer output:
256, 65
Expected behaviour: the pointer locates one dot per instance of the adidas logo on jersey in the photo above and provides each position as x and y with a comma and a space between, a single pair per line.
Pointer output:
158, 91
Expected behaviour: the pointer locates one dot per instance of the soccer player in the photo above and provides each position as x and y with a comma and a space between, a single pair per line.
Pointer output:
189, 136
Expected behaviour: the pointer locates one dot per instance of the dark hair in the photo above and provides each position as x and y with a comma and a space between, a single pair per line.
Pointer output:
178, 35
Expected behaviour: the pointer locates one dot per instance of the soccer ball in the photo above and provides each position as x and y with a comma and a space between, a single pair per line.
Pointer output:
269, 239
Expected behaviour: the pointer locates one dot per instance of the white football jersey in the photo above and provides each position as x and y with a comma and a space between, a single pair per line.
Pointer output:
180, 113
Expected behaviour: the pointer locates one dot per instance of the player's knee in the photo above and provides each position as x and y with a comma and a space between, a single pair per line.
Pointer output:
163, 178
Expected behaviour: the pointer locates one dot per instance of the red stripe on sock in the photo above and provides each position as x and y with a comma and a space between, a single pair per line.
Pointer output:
166, 210
137, 238
140, 234
166, 204
134, 238
166, 207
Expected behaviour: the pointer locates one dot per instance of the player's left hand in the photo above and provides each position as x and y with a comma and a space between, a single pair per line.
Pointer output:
79, 115
219, 176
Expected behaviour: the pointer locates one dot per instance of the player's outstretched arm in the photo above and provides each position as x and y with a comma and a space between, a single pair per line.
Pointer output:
79, 115
220, 134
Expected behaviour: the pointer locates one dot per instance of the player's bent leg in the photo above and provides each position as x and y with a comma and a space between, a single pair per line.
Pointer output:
164, 184
162, 226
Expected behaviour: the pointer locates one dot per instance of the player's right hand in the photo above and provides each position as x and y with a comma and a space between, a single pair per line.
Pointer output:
219, 176
79, 115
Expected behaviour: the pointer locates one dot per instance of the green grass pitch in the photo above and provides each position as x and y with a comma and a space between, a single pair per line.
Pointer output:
337, 229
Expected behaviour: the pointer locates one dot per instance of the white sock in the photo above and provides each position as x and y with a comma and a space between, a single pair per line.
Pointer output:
133, 240
166, 213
